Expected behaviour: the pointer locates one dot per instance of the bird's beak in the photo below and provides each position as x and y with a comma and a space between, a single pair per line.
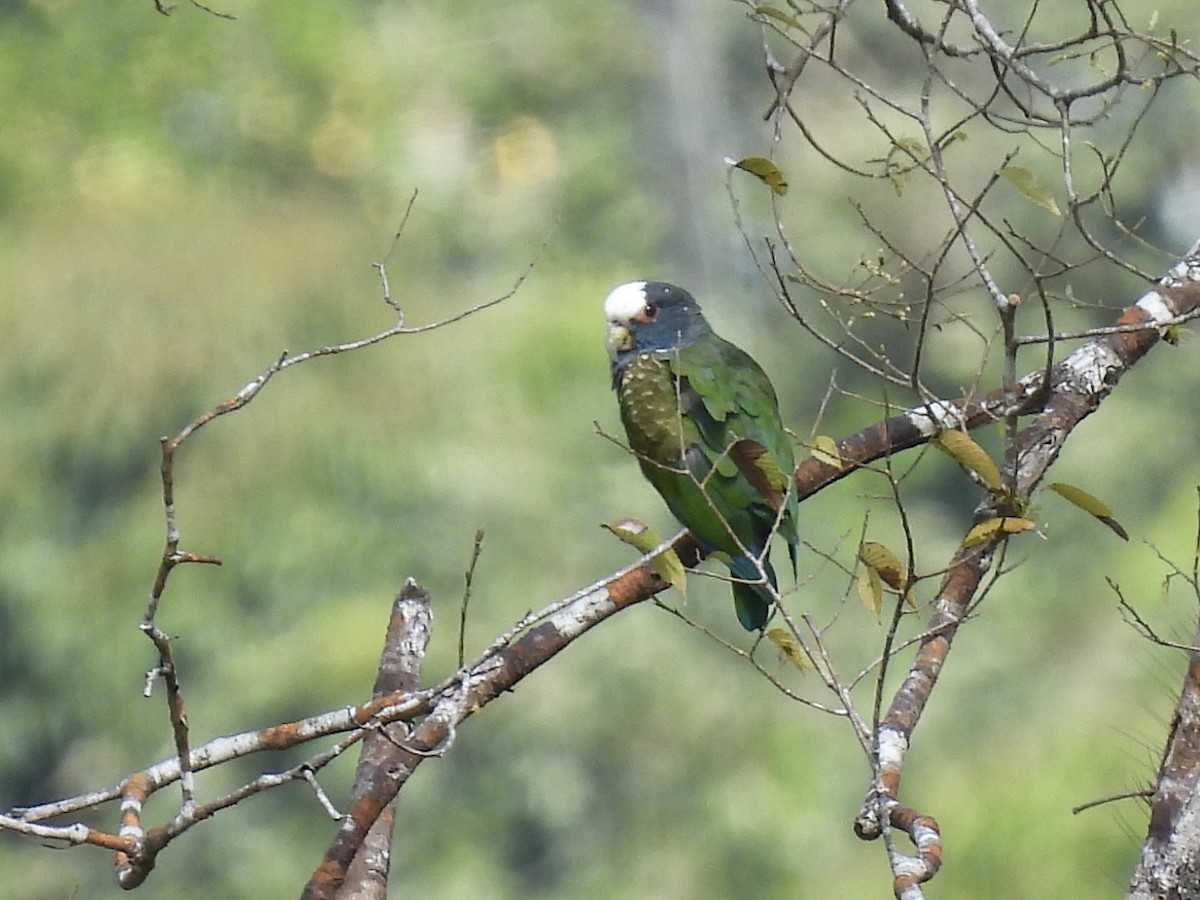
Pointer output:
618, 340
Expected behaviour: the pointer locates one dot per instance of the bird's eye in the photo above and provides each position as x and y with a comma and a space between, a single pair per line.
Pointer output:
650, 313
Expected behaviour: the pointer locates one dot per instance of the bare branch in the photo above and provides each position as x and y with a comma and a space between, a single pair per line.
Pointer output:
356, 863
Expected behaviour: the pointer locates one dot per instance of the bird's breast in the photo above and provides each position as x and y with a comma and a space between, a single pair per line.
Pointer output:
650, 410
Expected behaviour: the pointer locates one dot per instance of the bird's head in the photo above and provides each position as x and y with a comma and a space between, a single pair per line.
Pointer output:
651, 315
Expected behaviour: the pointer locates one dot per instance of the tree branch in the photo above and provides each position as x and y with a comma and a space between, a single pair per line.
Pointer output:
356, 864
1078, 385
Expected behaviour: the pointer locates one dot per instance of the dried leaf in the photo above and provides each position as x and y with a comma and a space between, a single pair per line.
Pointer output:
971, 456
667, 564
1089, 504
885, 563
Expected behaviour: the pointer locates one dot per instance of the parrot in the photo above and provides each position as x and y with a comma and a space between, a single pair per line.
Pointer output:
703, 420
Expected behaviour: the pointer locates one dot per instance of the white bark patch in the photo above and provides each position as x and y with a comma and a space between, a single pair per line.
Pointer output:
1153, 305
936, 416
892, 747
1089, 367
1187, 269
581, 615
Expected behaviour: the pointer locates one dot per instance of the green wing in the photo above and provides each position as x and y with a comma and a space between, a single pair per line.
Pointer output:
742, 436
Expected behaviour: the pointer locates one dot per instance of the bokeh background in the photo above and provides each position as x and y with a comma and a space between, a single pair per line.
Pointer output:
182, 198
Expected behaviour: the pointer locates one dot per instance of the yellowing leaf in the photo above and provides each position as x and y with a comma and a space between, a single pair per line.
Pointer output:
790, 648
768, 465
985, 531
1081, 498
954, 137
779, 16
1016, 524
825, 449
981, 532
870, 591
885, 564
914, 147
1089, 504
1031, 189
667, 564
971, 456
763, 169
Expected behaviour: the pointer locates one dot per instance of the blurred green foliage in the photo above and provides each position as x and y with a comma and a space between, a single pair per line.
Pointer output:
183, 198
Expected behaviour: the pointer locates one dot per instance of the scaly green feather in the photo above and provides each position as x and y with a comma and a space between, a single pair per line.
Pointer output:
704, 421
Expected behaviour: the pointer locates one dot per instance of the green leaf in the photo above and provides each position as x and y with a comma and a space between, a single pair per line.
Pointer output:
763, 169
970, 455
667, 564
1089, 504
790, 649
1031, 189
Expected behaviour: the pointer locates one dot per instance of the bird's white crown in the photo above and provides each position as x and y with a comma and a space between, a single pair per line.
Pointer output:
625, 301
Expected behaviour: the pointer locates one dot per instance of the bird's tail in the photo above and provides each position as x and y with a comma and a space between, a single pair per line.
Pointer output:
752, 602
